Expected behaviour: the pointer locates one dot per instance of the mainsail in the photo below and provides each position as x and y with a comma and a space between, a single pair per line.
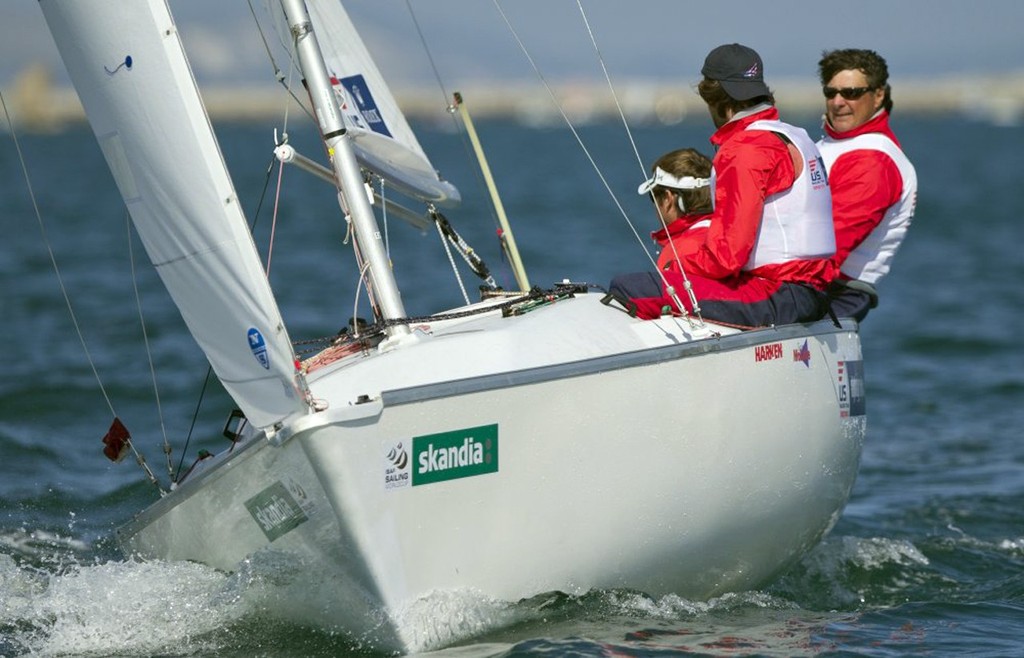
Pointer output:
381, 136
128, 66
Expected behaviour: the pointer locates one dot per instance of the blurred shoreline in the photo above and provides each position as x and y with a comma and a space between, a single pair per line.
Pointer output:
37, 105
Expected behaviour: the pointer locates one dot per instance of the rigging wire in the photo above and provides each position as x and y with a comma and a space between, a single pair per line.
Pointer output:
430, 57
209, 368
53, 258
290, 48
460, 129
579, 139
149, 351
277, 70
643, 172
67, 298
273, 221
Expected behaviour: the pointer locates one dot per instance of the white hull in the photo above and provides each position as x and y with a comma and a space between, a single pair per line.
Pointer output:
671, 464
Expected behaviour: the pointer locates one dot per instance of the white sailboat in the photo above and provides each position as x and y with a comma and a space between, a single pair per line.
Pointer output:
492, 450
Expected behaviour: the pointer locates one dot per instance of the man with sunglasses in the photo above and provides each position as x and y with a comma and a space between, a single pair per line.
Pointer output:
874, 185
765, 259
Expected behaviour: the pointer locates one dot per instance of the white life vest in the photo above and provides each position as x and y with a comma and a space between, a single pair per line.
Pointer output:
871, 259
796, 224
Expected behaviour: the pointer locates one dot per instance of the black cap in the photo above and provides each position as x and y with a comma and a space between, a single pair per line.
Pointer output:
738, 69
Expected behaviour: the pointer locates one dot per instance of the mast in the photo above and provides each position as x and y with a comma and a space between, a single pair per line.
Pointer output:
343, 160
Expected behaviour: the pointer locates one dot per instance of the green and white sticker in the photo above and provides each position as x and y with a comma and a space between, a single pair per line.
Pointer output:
456, 454
276, 510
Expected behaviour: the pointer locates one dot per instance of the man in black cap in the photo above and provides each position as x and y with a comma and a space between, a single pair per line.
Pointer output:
765, 259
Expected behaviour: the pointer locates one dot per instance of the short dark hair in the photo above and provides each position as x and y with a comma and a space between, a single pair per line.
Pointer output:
719, 100
868, 62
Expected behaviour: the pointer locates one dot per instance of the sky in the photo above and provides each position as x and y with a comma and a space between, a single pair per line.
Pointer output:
657, 40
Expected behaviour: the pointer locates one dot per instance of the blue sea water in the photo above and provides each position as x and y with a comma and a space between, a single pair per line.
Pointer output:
928, 557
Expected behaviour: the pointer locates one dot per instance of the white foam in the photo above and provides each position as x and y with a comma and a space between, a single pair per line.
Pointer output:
443, 618
123, 608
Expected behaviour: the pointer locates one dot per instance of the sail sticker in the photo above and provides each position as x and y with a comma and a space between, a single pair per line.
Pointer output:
456, 454
397, 467
259, 347
768, 352
850, 388
803, 354
367, 116
279, 509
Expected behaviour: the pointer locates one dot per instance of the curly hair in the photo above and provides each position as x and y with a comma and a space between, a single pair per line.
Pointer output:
868, 62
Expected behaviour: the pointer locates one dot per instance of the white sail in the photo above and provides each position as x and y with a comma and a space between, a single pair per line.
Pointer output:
128, 66
381, 136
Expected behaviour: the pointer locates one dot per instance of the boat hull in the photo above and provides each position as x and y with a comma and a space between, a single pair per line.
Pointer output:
695, 469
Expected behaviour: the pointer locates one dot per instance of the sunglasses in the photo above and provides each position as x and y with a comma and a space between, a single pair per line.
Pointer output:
849, 93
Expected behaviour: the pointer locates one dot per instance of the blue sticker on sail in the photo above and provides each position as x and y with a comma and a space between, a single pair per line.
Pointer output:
259, 347
358, 91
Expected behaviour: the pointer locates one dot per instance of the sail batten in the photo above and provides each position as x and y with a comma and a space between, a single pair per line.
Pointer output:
132, 76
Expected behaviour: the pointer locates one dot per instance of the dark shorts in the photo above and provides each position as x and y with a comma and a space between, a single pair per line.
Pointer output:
852, 299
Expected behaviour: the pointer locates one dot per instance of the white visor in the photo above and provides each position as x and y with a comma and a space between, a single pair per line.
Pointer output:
665, 179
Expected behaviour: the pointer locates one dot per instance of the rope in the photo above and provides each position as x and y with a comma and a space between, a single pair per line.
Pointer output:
469, 255
451, 260
531, 297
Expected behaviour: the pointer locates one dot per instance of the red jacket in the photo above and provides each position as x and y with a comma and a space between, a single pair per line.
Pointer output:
865, 183
684, 236
750, 166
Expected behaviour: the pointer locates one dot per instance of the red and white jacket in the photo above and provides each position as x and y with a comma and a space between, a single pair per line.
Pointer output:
683, 236
767, 221
874, 194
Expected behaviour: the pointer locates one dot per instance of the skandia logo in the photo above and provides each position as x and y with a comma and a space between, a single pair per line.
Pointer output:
751, 72
456, 454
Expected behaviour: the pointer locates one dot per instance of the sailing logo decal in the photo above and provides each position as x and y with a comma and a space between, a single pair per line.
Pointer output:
396, 468
803, 354
366, 114
279, 509
259, 347
850, 388
456, 454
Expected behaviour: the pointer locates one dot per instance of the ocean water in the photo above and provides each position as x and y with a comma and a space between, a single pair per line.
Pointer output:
928, 557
